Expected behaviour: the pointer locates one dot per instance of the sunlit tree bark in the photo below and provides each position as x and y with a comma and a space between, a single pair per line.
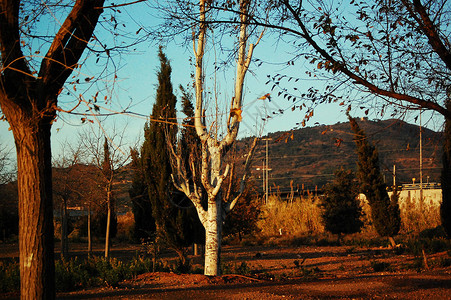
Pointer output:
214, 150
29, 103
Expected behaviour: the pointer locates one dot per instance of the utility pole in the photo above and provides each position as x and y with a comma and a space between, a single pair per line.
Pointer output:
394, 176
421, 162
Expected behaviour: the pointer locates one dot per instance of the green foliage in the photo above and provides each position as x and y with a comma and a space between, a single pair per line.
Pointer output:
170, 220
445, 208
190, 148
384, 212
431, 233
111, 271
416, 245
235, 268
76, 274
9, 276
73, 274
341, 209
380, 266
445, 262
141, 207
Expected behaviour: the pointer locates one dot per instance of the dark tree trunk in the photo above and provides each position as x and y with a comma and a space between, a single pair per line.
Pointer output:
34, 174
29, 103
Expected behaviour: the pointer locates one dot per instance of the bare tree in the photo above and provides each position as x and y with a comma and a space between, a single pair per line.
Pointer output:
106, 154
67, 185
6, 168
214, 149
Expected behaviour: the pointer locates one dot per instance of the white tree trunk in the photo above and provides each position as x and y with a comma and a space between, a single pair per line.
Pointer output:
213, 234
213, 150
107, 235
213, 224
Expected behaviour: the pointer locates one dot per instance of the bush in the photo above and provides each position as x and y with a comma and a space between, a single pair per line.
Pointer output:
140, 265
9, 276
437, 232
434, 245
341, 209
380, 266
111, 271
418, 214
234, 268
73, 274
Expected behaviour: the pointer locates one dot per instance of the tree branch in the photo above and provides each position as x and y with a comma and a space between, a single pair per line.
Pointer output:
250, 155
69, 43
359, 80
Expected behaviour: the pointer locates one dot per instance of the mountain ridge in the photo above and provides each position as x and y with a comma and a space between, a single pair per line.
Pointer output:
310, 155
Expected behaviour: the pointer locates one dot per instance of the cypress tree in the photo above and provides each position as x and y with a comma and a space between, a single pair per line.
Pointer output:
169, 219
341, 208
385, 215
189, 148
141, 206
445, 207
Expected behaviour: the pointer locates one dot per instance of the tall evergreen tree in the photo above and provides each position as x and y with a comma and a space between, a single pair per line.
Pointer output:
445, 207
190, 146
141, 206
384, 214
169, 219
341, 208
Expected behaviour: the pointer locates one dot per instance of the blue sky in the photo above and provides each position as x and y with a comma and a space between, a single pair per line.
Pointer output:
137, 80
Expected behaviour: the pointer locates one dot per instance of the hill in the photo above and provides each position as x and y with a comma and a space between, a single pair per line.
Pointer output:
309, 156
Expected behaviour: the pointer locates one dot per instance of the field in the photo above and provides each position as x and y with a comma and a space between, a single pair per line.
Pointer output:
291, 257
283, 271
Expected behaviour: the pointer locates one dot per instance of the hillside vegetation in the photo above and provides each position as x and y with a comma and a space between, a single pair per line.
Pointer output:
309, 156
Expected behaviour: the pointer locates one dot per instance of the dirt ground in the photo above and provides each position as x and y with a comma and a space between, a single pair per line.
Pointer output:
306, 272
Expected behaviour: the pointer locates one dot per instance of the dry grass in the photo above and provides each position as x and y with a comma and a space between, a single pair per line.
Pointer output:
417, 216
301, 216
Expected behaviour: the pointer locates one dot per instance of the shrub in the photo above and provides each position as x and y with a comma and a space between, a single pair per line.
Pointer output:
341, 210
437, 232
417, 245
9, 276
234, 268
140, 265
380, 266
73, 274
445, 262
111, 271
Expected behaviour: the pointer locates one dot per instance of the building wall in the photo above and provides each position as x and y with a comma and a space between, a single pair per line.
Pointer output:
431, 197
